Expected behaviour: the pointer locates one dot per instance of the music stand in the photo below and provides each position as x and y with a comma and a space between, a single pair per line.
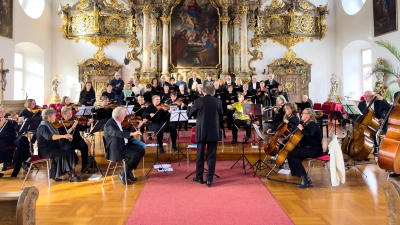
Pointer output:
84, 111
178, 116
92, 161
30, 124
243, 156
259, 163
335, 115
128, 100
253, 110
157, 150
129, 109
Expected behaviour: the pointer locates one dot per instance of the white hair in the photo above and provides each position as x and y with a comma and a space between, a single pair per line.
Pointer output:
118, 112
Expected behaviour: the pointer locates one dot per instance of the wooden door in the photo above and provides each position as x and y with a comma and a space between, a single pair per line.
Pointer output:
292, 86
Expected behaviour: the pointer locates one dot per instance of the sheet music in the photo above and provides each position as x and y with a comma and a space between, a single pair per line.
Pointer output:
351, 108
84, 111
129, 109
192, 121
180, 115
260, 136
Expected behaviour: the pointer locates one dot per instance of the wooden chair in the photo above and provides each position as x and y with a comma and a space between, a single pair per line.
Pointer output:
19, 208
35, 159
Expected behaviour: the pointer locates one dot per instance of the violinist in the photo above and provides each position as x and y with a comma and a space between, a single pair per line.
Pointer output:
73, 127
158, 115
230, 98
148, 94
241, 119
182, 106
182, 94
87, 96
66, 101
28, 112
110, 94
281, 91
127, 92
8, 136
139, 109
310, 146
103, 111
304, 104
278, 115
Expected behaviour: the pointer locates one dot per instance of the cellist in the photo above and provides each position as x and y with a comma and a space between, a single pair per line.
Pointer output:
310, 146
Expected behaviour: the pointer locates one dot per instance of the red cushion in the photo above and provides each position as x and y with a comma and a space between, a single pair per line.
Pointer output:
324, 158
35, 158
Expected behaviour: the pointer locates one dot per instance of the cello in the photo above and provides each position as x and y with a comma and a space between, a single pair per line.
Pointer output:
389, 150
360, 143
273, 145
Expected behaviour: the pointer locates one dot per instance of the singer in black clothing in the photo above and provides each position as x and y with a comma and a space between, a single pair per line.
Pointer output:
310, 146
110, 94
165, 95
87, 96
77, 140
148, 94
158, 116
102, 111
230, 98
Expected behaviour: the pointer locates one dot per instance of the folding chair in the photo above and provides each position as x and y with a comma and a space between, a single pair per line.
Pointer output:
35, 159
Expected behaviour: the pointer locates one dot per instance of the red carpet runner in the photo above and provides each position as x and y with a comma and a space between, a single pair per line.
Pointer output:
234, 198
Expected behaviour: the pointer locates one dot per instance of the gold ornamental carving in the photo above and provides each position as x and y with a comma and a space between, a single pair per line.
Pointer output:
235, 48
256, 55
146, 9
236, 22
291, 21
289, 86
165, 20
224, 20
243, 9
83, 4
290, 55
154, 47
115, 5
153, 70
153, 21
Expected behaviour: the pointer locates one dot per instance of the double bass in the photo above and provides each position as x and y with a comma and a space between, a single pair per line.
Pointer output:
360, 143
389, 150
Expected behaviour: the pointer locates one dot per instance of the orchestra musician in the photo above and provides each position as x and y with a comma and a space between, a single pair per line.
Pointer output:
73, 128
87, 96
281, 91
278, 115
102, 111
49, 147
110, 94
8, 135
127, 92
160, 115
241, 119
66, 101
181, 105
27, 112
117, 140
310, 146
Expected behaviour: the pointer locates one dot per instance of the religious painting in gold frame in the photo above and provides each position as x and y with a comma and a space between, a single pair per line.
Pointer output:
6, 18
195, 34
385, 16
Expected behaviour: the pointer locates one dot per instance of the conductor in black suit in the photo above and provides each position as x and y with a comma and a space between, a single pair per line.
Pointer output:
119, 146
207, 111
191, 80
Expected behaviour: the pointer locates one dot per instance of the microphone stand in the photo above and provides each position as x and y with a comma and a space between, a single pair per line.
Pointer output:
157, 150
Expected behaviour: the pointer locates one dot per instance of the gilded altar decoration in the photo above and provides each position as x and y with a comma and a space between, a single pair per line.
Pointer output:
99, 22
291, 21
333, 96
234, 48
195, 31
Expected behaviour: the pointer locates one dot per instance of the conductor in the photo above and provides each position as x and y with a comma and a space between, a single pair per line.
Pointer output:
207, 111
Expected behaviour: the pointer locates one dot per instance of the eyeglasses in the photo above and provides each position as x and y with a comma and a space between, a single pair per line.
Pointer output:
368, 96
304, 113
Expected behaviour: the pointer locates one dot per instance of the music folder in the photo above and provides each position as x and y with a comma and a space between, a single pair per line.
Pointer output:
351, 108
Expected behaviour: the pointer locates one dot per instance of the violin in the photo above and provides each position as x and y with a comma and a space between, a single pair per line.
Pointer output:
73, 106
163, 107
247, 101
38, 109
60, 123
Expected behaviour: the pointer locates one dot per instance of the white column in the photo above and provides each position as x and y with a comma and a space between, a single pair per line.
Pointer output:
165, 45
153, 45
236, 45
225, 57
146, 39
243, 39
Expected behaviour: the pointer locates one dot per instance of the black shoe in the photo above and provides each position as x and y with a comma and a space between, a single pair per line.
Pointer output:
394, 175
161, 150
150, 138
209, 183
131, 177
234, 141
367, 159
85, 169
309, 180
57, 179
174, 147
1, 175
75, 179
246, 140
121, 178
25, 166
305, 182
4, 167
200, 181
283, 166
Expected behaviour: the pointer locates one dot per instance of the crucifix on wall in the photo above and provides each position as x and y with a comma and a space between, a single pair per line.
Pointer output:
3, 80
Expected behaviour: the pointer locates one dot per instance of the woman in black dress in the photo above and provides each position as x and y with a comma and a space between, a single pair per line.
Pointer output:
29, 112
103, 111
73, 127
87, 96
50, 147
310, 146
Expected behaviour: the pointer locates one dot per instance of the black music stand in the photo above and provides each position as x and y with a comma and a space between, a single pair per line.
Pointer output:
91, 158
129, 100
259, 163
253, 110
243, 156
335, 115
157, 150
178, 116
84, 111
30, 124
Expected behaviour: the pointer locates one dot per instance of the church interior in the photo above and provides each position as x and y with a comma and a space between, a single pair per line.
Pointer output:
334, 53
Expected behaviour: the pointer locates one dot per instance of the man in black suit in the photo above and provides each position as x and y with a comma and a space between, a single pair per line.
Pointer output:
207, 110
163, 81
254, 85
119, 146
192, 80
